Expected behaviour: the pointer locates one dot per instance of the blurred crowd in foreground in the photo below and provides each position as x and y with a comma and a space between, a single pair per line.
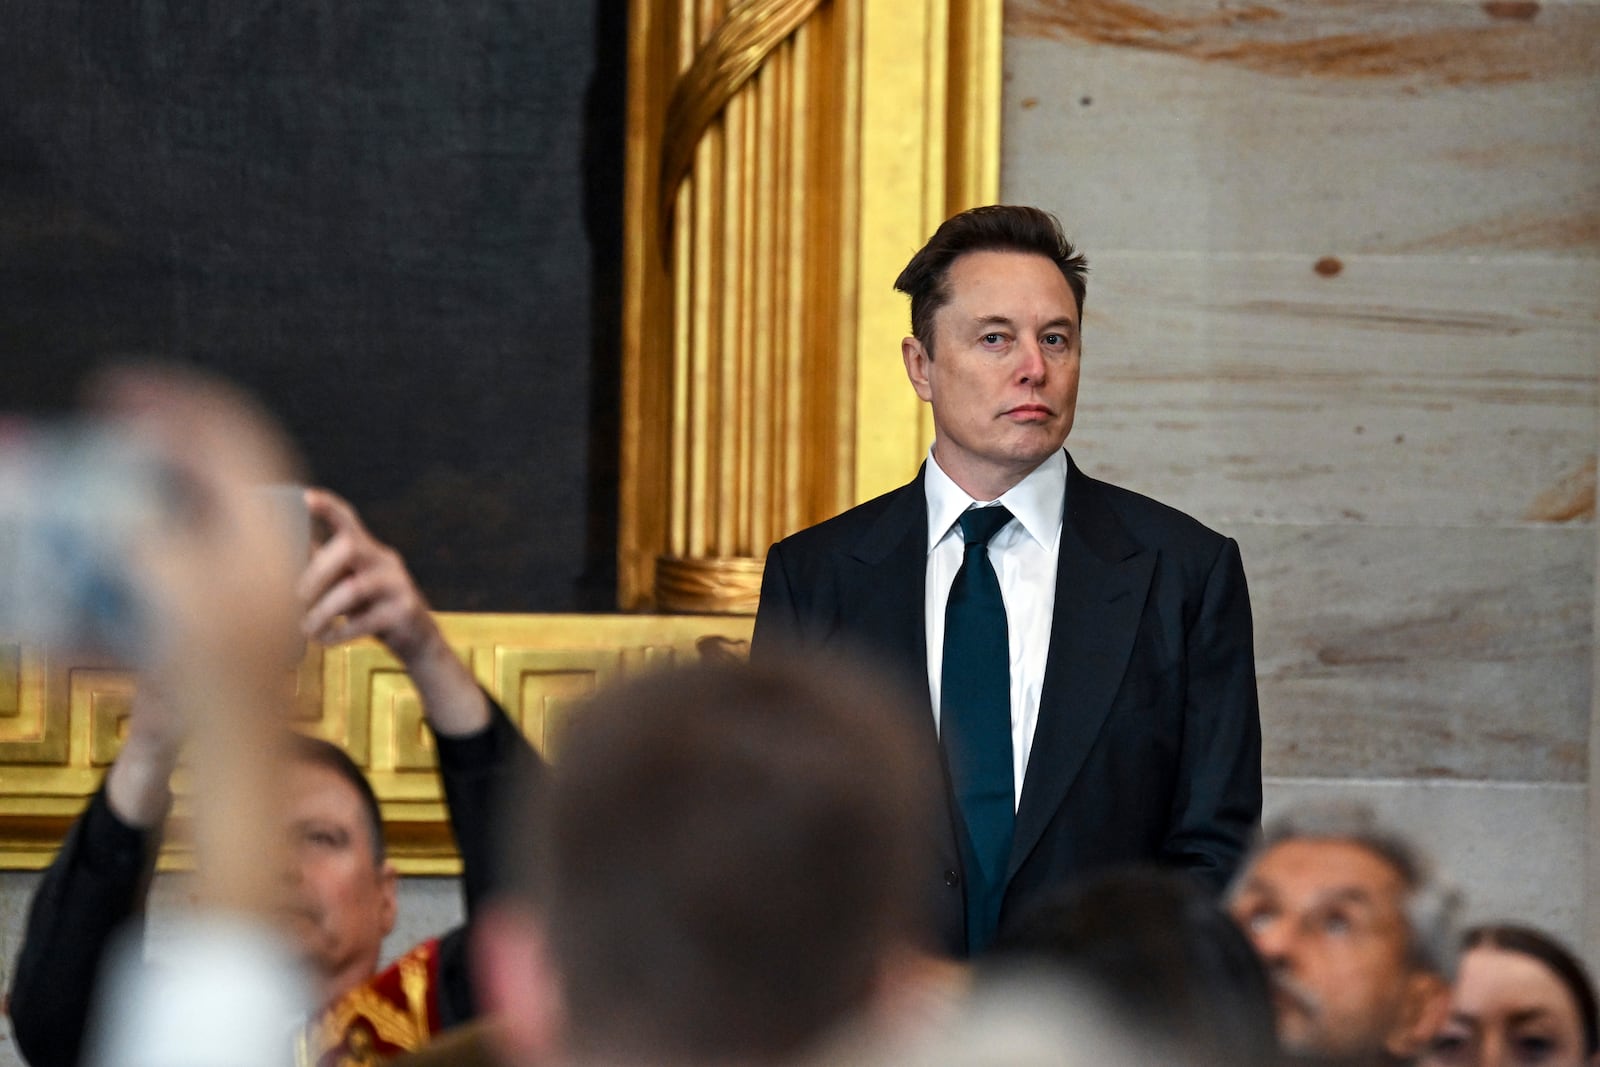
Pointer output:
725, 865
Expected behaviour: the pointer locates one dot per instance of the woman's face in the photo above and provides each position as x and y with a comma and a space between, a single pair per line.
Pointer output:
1508, 1010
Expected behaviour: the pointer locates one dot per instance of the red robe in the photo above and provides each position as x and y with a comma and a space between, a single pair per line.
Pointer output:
394, 1011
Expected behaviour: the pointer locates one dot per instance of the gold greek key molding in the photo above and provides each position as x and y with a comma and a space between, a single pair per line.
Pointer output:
27, 688
72, 717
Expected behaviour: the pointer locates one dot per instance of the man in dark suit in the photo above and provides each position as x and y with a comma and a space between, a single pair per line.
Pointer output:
1086, 653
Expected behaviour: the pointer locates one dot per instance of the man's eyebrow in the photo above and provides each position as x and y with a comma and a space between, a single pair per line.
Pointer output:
1061, 323
1348, 895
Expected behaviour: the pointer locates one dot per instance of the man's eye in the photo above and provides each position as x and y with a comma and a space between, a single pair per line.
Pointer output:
1258, 920
1336, 923
994, 338
1449, 1048
1056, 340
1532, 1048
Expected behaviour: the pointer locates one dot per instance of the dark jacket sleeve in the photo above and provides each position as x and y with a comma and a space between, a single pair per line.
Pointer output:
477, 772
1217, 799
776, 623
93, 890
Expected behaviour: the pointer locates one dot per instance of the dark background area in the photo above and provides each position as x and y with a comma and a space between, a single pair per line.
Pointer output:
398, 224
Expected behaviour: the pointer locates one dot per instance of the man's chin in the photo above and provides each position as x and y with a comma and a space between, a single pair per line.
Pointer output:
1306, 1044
304, 934
1298, 1036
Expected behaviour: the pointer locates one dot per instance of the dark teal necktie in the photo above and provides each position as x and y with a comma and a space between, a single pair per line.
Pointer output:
975, 720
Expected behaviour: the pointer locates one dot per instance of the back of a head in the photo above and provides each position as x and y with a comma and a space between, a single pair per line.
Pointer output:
1031, 1017
1161, 953
722, 856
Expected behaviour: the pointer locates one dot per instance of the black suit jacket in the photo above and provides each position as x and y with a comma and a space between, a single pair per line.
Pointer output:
1148, 744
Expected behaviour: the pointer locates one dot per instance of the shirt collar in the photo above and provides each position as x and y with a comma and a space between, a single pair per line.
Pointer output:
1036, 501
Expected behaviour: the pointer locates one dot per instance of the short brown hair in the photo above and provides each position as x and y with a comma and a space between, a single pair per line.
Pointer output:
314, 750
996, 228
723, 856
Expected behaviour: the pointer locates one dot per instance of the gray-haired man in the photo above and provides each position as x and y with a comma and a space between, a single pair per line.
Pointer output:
1357, 932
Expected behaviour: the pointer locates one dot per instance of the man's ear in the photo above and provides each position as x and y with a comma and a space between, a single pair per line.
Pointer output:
517, 983
1424, 1006
917, 357
389, 897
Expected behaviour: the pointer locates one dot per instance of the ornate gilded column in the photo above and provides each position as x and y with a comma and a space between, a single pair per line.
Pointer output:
785, 158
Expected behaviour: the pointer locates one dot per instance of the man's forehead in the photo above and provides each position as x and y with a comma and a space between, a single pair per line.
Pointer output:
1327, 869
316, 785
1062, 321
1005, 276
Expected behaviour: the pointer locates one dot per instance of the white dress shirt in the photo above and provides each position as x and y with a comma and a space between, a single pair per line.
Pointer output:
1024, 557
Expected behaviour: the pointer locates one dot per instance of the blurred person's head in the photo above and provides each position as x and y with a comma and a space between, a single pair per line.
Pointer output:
1520, 999
1034, 1017
719, 866
1162, 954
221, 582
1356, 930
341, 890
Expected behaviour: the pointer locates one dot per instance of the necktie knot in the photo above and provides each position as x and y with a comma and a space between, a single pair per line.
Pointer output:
978, 525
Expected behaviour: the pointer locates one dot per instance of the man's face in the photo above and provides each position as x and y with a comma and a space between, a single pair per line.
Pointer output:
341, 901
1002, 374
1327, 918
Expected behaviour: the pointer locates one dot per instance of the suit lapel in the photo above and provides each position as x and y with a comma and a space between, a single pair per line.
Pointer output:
1102, 577
892, 560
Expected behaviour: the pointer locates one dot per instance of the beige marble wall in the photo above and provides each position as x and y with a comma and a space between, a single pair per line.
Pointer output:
1344, 305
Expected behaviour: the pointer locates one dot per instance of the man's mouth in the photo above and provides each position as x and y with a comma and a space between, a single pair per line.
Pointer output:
1286, 991
1030, 413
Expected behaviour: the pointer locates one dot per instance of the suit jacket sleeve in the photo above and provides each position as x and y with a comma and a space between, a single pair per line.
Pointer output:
1217, 800
94, 888
777, 618
477, 772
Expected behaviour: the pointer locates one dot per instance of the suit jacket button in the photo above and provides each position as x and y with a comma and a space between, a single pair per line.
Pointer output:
952, 879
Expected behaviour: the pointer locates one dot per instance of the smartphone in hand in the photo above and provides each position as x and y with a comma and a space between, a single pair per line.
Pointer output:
76, 502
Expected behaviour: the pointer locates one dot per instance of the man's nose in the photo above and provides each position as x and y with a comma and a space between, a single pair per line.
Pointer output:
290, 872
1274, 941
1032, 368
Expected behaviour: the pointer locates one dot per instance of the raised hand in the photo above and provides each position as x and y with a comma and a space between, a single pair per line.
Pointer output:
357, 586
